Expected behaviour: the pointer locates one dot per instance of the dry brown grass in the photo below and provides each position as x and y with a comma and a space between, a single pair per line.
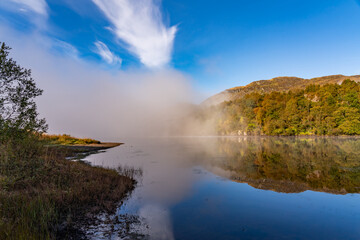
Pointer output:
42, 194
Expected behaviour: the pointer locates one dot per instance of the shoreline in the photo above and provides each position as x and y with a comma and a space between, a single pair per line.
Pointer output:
287, 136
265, 136
55, 196
75, 230
94, 147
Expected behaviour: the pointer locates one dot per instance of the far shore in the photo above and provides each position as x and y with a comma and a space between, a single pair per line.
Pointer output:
294, 136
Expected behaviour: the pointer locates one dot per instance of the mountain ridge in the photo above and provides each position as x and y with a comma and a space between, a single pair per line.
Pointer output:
277, 84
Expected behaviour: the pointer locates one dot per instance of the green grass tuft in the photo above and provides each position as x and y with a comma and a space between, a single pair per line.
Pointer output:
66, 139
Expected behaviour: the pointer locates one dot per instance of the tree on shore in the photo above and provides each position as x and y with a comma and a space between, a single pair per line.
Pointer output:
18, 111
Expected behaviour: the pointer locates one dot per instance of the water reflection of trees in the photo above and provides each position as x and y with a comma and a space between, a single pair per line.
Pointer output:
292, 164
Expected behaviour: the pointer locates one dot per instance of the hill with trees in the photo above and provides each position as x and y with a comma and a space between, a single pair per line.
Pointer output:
330, 109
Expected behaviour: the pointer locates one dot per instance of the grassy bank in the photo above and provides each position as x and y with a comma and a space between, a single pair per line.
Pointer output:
42, 194
65, 139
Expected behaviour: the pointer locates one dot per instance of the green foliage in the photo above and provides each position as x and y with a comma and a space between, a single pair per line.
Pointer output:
18, 113
330, 109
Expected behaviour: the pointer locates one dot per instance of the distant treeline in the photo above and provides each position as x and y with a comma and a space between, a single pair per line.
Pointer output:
331, 109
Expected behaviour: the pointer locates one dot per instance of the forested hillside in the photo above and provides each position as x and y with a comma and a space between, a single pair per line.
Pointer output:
330, 109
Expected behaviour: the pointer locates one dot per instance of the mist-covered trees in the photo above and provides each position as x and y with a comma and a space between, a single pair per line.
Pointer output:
331, 109
18, 90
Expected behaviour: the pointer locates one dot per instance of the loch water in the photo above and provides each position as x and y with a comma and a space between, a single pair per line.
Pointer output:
237, 188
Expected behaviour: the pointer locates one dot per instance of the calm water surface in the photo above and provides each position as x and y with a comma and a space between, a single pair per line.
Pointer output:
238, 188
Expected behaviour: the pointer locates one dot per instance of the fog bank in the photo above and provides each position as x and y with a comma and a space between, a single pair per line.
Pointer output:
86, 100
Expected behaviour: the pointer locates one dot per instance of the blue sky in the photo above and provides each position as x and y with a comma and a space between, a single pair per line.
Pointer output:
219, 44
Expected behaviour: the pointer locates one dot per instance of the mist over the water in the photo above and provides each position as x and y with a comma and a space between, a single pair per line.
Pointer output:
85, 100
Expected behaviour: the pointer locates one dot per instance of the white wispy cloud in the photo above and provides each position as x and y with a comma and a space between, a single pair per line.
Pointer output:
37, 6
139, 24
62, 47
105, 53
